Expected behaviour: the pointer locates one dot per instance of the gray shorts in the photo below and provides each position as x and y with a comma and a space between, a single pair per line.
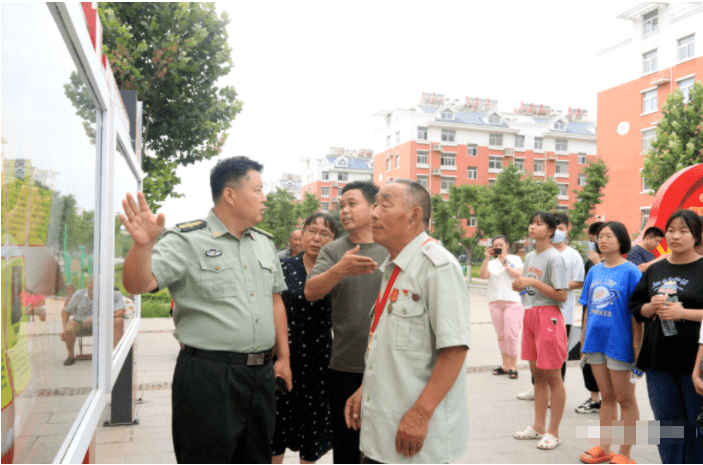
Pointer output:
599, 358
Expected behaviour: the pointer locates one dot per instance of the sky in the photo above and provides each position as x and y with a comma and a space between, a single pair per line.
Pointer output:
311, 75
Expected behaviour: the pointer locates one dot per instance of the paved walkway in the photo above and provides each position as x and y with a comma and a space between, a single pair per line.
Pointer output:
495, 412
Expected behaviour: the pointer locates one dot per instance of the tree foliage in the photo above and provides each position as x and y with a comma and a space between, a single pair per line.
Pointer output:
280, 216
508, 205
310, 204
588, 197
679, 141
171, 54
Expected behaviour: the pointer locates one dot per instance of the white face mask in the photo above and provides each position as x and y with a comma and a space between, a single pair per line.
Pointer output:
591, 246
559, 236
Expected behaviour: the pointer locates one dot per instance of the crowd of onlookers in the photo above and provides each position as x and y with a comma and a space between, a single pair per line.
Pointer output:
641, 314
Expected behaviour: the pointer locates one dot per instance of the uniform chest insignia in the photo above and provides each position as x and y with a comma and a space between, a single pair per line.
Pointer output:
405, 292
191, 225
394, 295
213, 253
416, 297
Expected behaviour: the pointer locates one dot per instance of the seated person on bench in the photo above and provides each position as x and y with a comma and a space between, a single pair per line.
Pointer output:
81, 307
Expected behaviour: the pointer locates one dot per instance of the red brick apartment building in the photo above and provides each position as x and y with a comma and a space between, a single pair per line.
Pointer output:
441, 141
662, 53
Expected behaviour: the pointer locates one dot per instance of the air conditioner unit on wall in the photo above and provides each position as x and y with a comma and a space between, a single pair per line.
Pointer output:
335, 199
333, 184
509, 152
436, 146
436, 171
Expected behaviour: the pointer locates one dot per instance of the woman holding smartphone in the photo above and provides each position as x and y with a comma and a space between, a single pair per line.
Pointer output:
544, 341
501, 269
669, 300
611, 340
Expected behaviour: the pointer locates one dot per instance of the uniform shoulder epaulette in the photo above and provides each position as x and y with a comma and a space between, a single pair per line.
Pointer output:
436, 253
261, 231
191, 225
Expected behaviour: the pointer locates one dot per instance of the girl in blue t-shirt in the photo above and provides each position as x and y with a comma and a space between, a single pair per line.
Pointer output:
611, 339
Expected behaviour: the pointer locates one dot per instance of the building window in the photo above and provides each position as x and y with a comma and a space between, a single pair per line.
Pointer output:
561, 169
472, 221
539, 142
447, 114
539, 166
448, 159
491, 182
325, 176
495, 164
494, 119
519, 163
472, 172
645, 187
649, 62
388, 142
651, 22
325, 192
388, 119
562, 145
559, 126
446, 182
397, 138
388, 163
422, 180
421, 133
519, 142
686, 47
343, 176
495, 140
648, 137
472, 149
686, 85
341, 162
563, 191
397, 161
448, 135
421, 157
562, 208
649, 101
581, 180
325, 206
582, 158
645, 217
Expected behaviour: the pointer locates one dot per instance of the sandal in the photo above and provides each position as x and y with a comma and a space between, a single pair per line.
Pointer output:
69, 361
513, 374
548, 442
619, 458
597, 455
500, 371
528, 433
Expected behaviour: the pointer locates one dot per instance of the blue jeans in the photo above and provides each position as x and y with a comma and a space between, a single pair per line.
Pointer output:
675, 402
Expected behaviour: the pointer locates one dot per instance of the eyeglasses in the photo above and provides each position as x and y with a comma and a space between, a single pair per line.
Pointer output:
324, 234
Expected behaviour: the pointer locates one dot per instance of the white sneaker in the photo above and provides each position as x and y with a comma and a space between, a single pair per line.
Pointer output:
529, 395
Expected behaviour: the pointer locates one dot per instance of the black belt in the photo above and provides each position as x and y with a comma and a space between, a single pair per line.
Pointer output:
259, 358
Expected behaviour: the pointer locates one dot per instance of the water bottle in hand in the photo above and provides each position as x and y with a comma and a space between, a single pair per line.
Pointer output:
635, 375
669, 326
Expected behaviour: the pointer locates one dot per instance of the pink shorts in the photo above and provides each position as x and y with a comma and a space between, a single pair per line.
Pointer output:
544, 337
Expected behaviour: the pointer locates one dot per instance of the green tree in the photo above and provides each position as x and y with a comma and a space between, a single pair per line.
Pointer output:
310, 204
511, 201
280, 216
444, 224
679, 141
172, 54
588, 197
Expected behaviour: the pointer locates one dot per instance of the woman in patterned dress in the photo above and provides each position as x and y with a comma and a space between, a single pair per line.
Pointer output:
303, 415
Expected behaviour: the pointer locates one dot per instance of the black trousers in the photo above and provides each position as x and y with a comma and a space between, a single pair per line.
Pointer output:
345, 441
588, 379
222, 412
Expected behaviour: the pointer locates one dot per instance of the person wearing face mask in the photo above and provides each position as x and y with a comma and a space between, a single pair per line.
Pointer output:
575, 277
592, 404
504, 303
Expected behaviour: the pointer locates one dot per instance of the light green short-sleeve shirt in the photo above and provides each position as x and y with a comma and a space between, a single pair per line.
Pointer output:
430, 311
222, 286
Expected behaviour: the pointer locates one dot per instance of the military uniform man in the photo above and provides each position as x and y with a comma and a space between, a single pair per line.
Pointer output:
225, 278
412, 406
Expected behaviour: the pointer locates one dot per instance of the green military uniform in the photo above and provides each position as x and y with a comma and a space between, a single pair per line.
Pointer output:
221, 285
223, 400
